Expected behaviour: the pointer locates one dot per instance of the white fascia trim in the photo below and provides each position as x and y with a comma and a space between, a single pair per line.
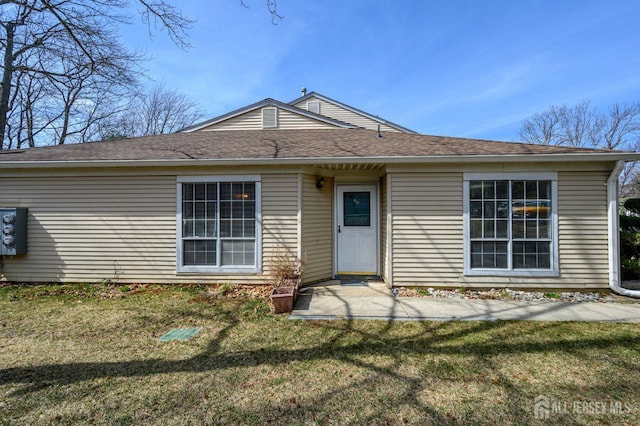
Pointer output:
613, 220
528, 158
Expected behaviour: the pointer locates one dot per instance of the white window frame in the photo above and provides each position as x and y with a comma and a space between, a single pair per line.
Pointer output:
256, 267
553, 271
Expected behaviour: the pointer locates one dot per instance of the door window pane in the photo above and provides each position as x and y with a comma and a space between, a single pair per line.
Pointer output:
357, 208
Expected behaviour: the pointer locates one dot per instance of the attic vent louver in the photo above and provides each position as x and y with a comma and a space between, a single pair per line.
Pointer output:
313, 106
269, 118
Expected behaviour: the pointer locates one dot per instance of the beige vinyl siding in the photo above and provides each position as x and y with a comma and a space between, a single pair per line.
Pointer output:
427, 228
383, 227
120, 225
338, 113
583, 231
252, 120
279, 216
428, 233
122, 228
94, 228
317, 229
582, 237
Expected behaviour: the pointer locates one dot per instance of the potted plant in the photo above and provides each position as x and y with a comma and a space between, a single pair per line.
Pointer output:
284, 275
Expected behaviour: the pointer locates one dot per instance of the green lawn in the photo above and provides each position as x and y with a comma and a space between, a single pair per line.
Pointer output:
90, 354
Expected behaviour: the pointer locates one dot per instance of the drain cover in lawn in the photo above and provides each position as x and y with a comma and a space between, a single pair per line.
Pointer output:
179, 334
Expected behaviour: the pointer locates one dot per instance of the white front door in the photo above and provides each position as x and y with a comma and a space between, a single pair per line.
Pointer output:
357, 229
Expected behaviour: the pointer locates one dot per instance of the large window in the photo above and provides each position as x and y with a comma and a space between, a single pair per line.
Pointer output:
510, 224
218, 224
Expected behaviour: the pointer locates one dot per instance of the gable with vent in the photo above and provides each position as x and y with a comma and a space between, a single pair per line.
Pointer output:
269, 118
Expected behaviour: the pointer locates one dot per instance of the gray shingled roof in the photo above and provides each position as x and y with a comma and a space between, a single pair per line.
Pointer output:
269, 146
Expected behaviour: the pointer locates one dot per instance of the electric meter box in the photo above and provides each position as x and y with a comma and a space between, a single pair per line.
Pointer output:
13, 230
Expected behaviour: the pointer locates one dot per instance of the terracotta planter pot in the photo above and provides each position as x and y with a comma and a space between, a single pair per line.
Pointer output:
293, 282
283, 298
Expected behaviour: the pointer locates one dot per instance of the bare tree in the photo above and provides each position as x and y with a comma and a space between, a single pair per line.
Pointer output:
64, 44
579, 125
584, 126
622, 129
66, 77
158, 111
166, 111
272, 7
543, 127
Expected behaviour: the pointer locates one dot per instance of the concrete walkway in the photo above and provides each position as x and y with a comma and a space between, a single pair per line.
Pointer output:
331, 300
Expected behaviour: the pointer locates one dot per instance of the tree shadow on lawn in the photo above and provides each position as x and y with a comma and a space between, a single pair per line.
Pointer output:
353, 344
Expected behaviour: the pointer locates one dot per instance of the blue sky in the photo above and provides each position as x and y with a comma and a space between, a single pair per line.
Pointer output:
456, 68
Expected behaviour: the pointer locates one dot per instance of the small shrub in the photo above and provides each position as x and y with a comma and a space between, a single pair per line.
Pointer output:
285, 266
629, 269
630, 240
225, 288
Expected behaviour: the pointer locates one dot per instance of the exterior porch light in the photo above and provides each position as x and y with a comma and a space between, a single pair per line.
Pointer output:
320, 183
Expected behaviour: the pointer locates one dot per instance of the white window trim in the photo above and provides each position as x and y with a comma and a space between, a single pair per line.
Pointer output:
554, 270
255, 268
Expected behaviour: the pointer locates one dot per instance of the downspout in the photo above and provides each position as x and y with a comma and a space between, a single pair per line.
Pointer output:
614, 233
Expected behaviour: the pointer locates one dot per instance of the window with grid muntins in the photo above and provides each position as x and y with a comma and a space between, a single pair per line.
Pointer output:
218, 224
510, 225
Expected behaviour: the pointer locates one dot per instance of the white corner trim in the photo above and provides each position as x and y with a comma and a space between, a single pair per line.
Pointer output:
613, 220
299, 249
388, 260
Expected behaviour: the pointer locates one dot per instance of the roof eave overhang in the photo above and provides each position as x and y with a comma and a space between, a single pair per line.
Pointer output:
397, 160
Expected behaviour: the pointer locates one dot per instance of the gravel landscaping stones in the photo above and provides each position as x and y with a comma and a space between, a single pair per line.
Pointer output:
509, 294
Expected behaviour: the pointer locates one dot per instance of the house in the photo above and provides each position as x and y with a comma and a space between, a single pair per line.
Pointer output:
349, 191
